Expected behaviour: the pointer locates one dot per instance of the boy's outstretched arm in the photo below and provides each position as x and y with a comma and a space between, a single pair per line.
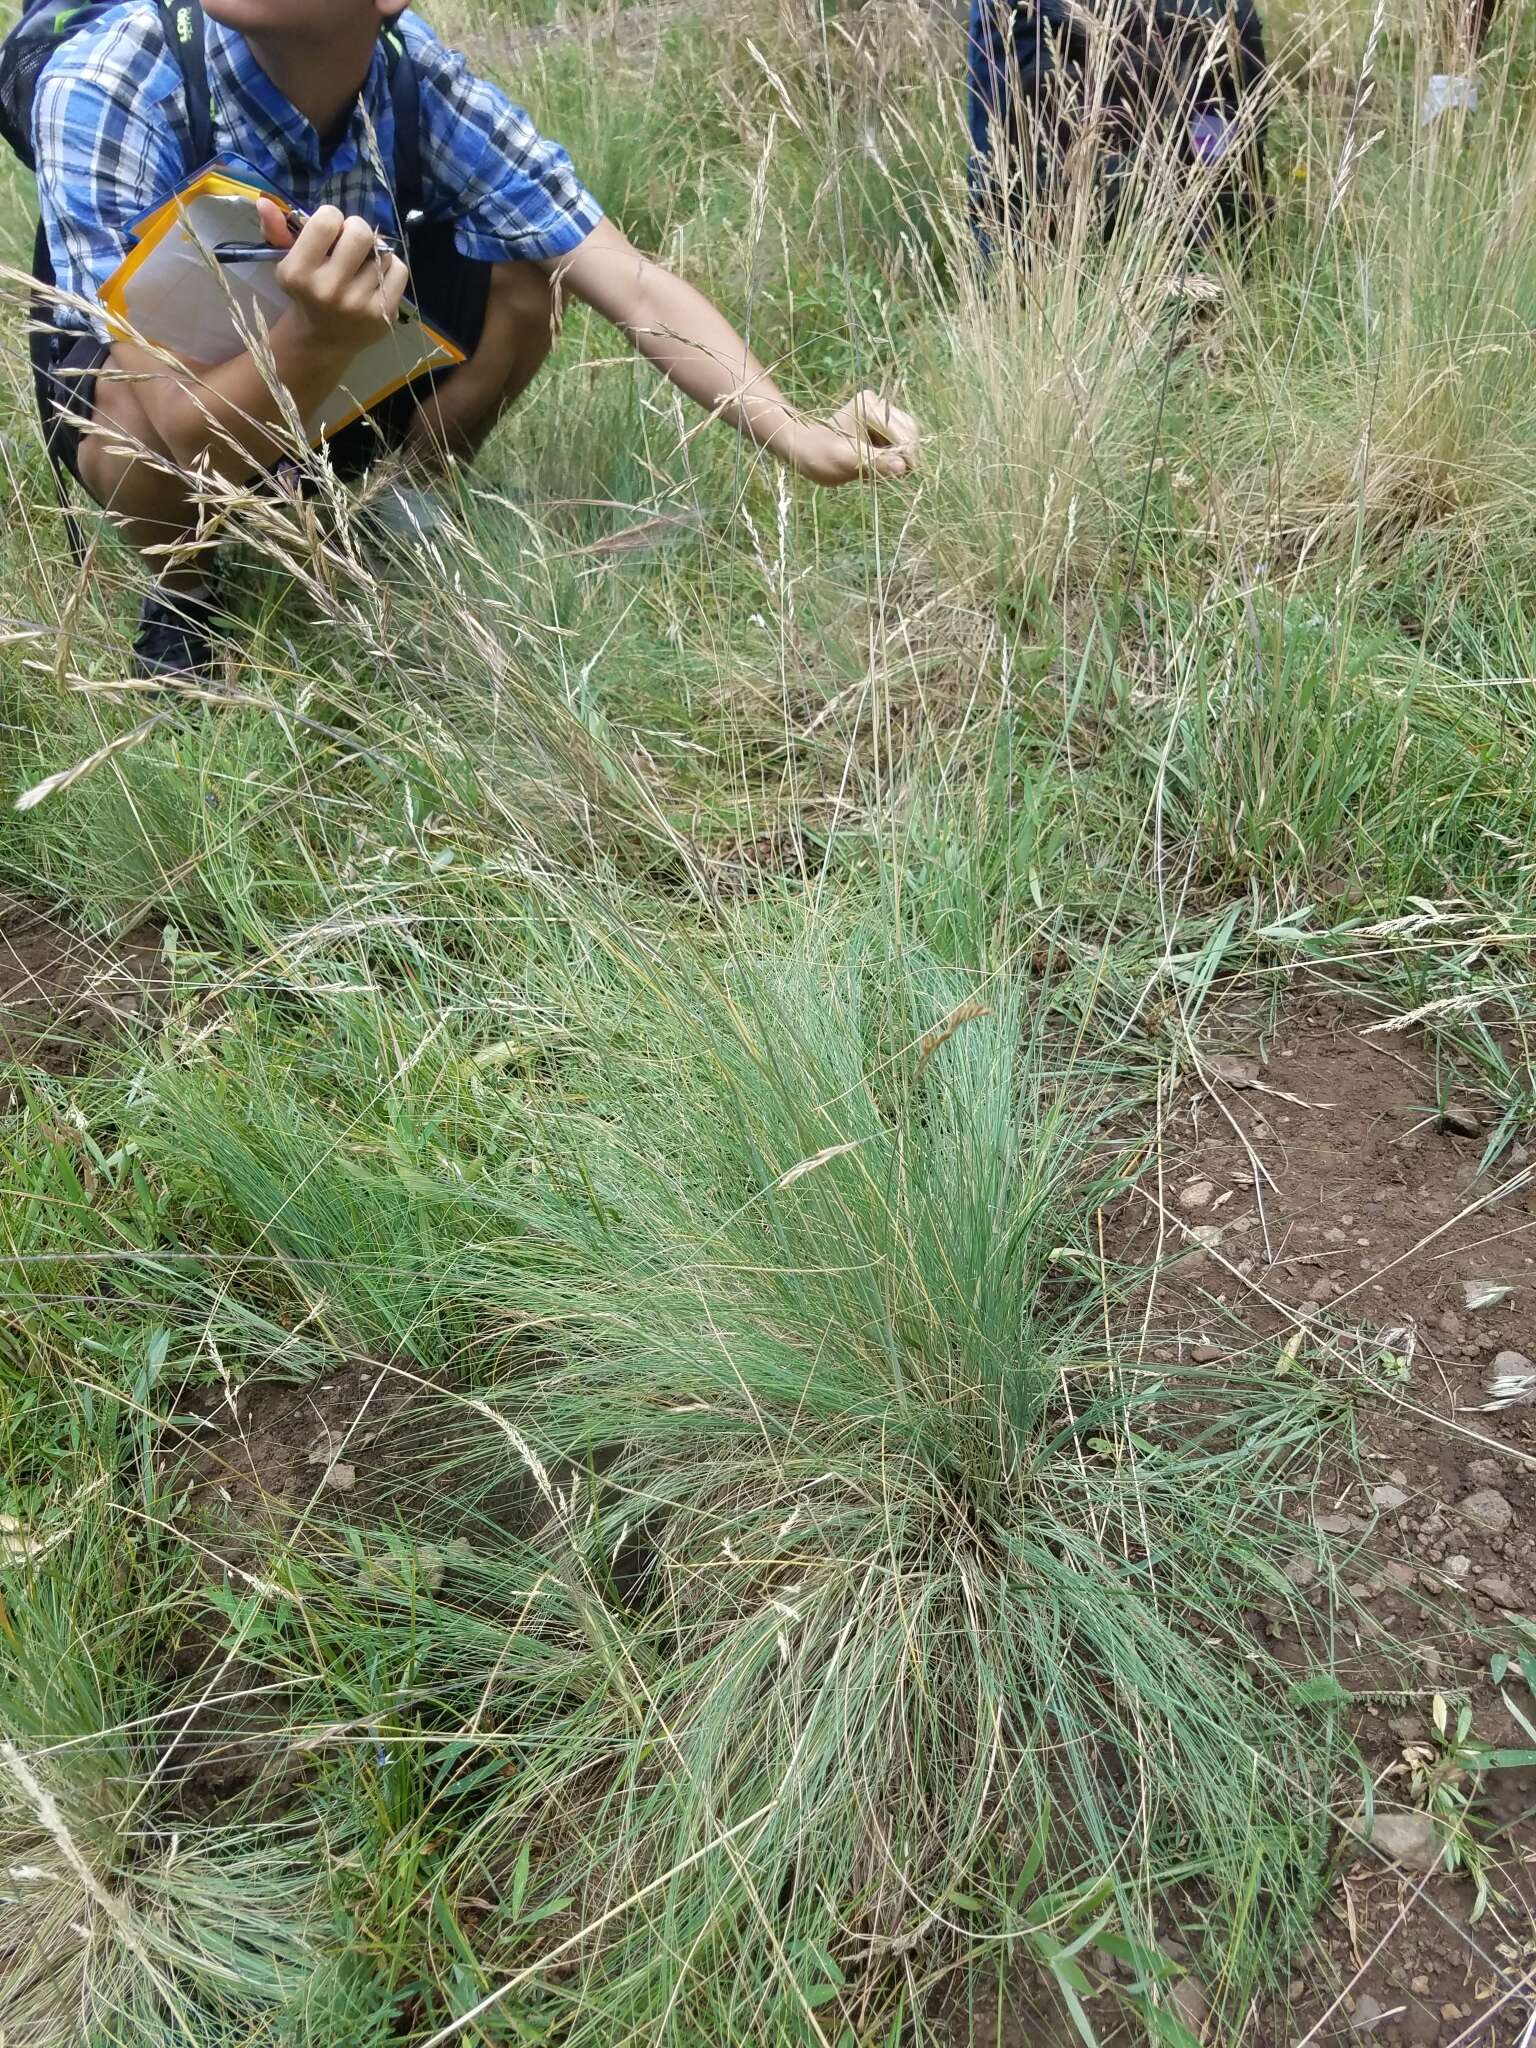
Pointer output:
676, 328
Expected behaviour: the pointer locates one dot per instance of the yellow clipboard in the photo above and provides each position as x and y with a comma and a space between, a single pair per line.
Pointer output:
169, 291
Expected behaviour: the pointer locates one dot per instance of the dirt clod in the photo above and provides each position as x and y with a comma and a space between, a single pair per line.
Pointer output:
1500, 1592
1487, 1511
1411, 1839
1192, 2004
1236, 1071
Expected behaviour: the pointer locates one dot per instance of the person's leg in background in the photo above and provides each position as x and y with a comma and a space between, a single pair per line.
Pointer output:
1480, 13
1464, 26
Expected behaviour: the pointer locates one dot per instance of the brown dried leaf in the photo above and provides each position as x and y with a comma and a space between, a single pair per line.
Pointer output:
967, 1013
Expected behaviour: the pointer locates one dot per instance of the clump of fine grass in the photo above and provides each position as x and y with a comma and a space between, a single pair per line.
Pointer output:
912, 1618
116, 1927
900, 1584
1065, 343
1390, 382
820, 1596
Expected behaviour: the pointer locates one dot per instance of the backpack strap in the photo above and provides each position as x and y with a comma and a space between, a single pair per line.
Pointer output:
182, 22
405, 95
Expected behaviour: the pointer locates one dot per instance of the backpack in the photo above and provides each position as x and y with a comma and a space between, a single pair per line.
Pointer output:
47, 25
1194, 70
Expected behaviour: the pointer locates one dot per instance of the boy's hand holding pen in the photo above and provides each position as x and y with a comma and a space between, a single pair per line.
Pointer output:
345, 280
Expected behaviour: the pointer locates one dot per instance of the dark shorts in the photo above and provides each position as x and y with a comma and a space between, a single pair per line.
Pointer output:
450, 290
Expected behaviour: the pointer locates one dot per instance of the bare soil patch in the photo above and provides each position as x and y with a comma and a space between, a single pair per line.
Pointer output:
1308, 1192
255, 1467
62, 993
1315, 1186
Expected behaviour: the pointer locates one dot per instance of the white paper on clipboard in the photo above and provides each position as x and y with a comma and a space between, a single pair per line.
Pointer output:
171, 292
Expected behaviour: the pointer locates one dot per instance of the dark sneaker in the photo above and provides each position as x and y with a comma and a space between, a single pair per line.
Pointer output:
401, 524
174, 643
406, 513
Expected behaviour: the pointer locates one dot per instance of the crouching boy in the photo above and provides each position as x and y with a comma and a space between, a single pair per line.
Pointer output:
359, 113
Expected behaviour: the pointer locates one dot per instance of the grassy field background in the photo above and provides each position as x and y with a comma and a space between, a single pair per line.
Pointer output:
656, 1000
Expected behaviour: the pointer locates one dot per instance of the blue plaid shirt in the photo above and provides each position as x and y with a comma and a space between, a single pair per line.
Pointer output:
112, 140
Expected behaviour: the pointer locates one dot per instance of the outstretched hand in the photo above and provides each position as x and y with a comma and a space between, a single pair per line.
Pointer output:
866, 437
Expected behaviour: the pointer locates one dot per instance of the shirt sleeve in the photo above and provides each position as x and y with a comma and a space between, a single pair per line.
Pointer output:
101, 163
512, 194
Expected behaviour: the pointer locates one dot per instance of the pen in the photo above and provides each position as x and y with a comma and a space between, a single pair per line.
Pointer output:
263, 252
